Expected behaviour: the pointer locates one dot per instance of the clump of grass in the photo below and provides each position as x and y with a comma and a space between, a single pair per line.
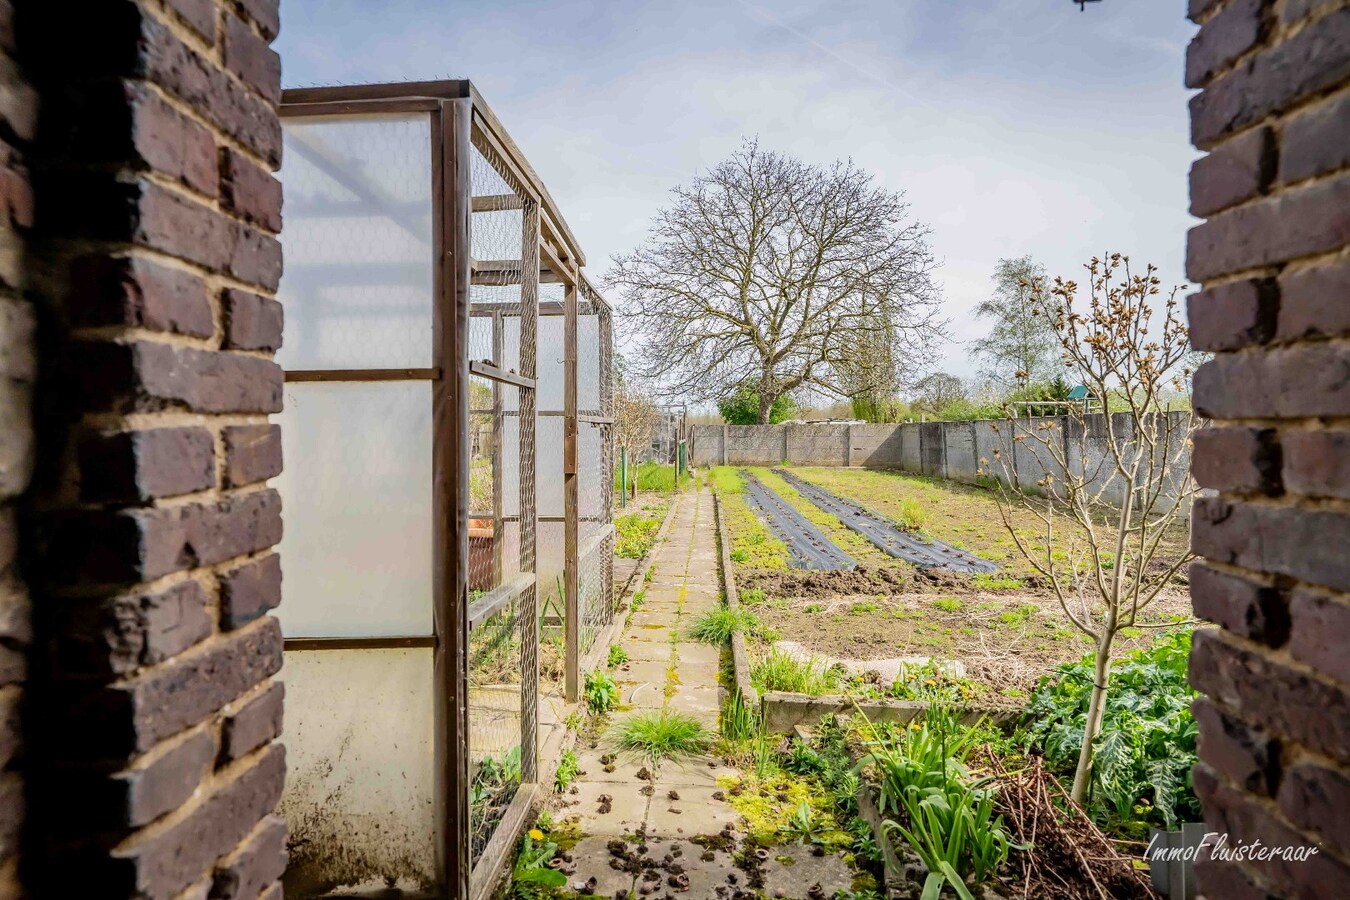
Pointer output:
995, 582
911, 515
738, 721
948, 604
716, 626
662, 734
777, 671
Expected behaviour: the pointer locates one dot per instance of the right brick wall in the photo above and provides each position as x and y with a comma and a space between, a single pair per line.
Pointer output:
1273, 260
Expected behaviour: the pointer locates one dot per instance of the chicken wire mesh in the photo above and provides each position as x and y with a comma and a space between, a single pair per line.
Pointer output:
502, 691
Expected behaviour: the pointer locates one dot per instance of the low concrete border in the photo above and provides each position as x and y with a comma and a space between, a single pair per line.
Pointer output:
740, 658
784, 711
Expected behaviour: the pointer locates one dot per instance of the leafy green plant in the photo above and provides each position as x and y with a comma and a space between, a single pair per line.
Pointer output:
777, 671
738, 721
933, 801
635, 535
716, 626
662, 733
568, 770
601, 693
617, 655
805, 827
531, 878
1144, 753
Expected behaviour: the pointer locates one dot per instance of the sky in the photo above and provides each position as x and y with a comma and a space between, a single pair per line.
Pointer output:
1012, 126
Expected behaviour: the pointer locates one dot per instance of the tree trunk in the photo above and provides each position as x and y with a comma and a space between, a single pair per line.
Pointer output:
1096, 708
765, 408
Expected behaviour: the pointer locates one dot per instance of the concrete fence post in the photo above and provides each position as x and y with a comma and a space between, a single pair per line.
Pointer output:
724, 445
848, 446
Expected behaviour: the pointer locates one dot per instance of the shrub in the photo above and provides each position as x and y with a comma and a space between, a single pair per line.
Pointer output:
1144, 753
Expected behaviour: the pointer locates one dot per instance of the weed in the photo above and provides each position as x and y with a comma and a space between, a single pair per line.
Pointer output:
568, 770
1019, 616
995, 582
777, 671
716, 626
532, 877
617, 655
738, 721
911, 515
948, 604
858, 609
635, 535
663, 733
753, 597
814, 608
640, 598
602, 694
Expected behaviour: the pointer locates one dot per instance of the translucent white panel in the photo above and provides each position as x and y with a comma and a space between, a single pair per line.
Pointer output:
357, 287
356, 494
359, 795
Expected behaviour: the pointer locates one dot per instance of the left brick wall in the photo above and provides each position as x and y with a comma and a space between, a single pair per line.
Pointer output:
18, 374
151, 528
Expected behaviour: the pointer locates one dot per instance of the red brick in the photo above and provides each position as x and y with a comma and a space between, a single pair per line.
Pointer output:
1233, 315
1317, 463
1244, 755
250, 190
1316, 798
1293, 10
1236, 28
146, 376
200, 15
135, 291
128, 546
248, 56
1306, 380
163, 862
252, 453
158, 783
117, 635
265, 14
136, 466
250, 870
1243, 607
249, 591
11, 725
1227, 881
1313, 302
128, 718
1302, 543
1303, 380
1239, 169
1285, 702
1317, 636
256, 723
1300, 222
252, 322
1317, 140
1236, 459
1230, 812
1314, 59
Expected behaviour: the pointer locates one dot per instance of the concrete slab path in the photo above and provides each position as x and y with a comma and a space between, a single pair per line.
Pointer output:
667, 830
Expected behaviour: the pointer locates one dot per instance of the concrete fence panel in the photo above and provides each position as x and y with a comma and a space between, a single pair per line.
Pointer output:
817, 445
958, 440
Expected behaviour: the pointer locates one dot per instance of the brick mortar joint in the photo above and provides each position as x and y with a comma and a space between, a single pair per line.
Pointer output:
1270, 808
94, 590
207, 789
1280, 656
215, 280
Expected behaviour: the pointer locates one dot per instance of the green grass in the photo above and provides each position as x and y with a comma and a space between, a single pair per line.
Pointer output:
996, 582
948, 604
777, 671
662, 734
751, 544
636, 535
716, 626
911, 515
652, 476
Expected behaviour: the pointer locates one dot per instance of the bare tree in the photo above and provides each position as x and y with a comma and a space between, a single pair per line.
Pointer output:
770, 271
933, 392
635, 419
1114, 485
1021, 346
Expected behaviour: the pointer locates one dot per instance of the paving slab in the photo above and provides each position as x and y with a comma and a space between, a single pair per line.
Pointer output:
646, 651
652, 633
627, 807
794, 870
591, 860
695, 652
704, 875
651, 671
694, 812
694, 772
